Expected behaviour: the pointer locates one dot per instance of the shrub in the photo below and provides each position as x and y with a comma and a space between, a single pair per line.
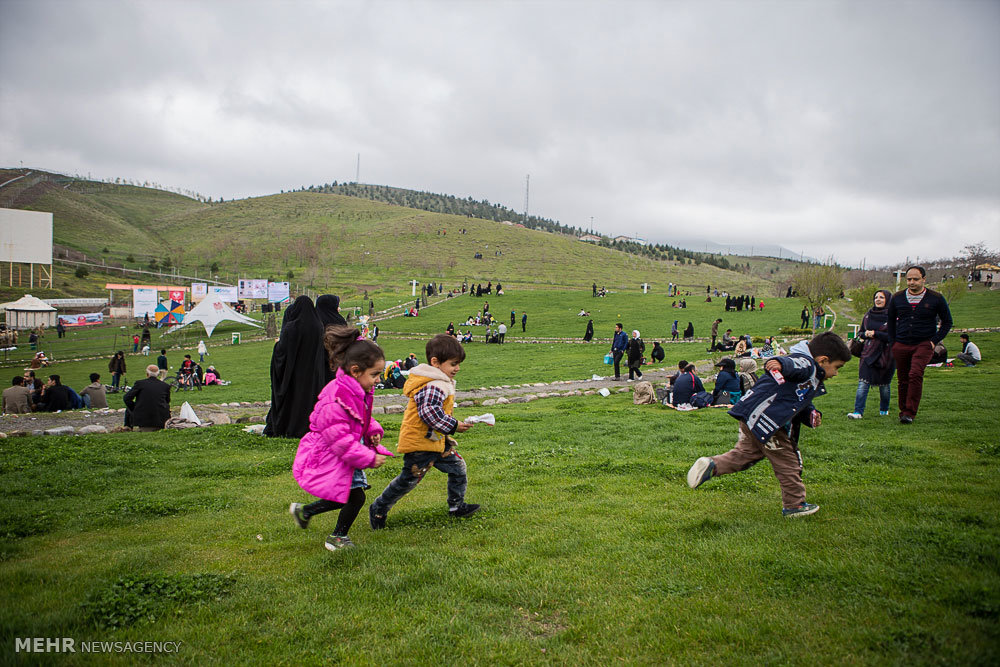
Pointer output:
81, 272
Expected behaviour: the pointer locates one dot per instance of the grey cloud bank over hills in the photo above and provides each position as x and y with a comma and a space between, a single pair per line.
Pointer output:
865, 131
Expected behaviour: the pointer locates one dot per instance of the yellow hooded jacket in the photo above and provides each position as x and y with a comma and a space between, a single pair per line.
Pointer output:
414, 434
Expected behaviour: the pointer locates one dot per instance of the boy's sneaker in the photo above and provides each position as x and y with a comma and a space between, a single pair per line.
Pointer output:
377, 521
854, 415
883, 413
465, 509
802, 509
295, 509
337, 542
700, 472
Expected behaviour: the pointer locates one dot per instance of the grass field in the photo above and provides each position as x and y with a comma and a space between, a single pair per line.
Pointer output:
551, 314
589, 547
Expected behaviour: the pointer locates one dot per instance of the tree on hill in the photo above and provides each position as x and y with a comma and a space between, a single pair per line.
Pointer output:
818, 283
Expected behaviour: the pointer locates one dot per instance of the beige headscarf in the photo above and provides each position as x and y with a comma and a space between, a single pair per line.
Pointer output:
747, 365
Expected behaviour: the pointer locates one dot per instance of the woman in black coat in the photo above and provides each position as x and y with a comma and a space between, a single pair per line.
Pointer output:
297, 374
877, 365
590, 331
328, 311
635, 350
689, 332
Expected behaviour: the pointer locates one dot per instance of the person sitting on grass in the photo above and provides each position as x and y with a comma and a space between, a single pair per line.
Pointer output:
686, 386
94, 395
658, 354
55, 396
726, 381
17, 398
424, 434
970, 354
770, 415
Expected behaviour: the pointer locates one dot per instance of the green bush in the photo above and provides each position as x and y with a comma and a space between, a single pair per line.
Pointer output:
795, 331
81, 272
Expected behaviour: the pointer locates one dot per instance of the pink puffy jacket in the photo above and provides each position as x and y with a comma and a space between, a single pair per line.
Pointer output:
329, 453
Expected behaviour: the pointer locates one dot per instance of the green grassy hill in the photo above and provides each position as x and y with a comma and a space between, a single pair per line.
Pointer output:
329, 240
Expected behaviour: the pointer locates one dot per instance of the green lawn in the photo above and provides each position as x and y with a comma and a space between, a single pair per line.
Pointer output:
589, 547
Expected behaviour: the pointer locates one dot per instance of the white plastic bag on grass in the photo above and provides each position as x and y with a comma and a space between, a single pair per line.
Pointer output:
187, 412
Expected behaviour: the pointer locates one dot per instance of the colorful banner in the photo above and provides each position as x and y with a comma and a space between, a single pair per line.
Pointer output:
225, 293
277, 292
199, 291
252, 289
144, 302
86, 319
176, 295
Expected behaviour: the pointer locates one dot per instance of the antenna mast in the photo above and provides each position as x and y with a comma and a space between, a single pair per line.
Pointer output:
527, 183
357, 173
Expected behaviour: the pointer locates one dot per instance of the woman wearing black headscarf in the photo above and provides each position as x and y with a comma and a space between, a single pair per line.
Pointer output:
590, 331
689, 332
296, 375
328, 311
877, 365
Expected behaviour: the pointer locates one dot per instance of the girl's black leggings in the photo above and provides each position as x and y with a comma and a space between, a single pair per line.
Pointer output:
348, 511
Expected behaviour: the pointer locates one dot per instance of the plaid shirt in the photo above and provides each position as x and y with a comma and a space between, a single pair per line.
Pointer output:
429, 402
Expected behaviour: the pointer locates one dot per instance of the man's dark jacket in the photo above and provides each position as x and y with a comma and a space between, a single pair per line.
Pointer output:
916, 324
148, 402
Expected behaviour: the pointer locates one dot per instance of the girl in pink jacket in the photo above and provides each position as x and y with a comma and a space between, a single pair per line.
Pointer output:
343, 438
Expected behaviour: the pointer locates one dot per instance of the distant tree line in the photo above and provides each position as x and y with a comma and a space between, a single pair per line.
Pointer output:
469, 207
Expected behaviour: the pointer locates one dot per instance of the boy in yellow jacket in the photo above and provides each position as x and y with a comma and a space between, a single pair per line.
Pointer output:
423, 435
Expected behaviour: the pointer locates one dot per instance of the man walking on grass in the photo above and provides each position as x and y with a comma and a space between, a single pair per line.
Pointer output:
913, 332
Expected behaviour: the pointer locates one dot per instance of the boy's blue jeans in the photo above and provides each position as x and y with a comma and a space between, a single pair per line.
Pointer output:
884, 394
415, 466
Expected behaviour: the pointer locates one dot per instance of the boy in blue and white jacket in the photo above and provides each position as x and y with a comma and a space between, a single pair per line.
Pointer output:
770, 415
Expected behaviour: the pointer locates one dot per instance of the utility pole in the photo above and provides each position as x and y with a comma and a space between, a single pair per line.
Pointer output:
527, 184
357, 173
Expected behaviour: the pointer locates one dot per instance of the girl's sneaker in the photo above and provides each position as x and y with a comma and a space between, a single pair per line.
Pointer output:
295, 509
883, 413
337, 542
854, 415
802, 509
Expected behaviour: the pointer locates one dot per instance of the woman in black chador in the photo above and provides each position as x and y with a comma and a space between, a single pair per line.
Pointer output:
297, 374
590, 331
328, 311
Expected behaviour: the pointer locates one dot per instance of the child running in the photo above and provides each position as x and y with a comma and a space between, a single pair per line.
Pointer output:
343, 438
424, 434
774, 410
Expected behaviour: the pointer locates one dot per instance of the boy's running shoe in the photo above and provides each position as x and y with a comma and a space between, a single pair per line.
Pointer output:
295, 509
338, 542
700, 472
802, 509
377, 521
854, 415
465, 509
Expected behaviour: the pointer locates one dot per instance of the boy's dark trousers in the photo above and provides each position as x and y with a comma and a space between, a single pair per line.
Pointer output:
617, 356
780, 450
415, 466
911, 360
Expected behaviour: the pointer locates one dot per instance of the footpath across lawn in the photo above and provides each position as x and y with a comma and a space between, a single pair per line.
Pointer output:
589, 549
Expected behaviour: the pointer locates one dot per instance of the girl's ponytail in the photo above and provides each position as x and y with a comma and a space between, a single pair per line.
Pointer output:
346, 347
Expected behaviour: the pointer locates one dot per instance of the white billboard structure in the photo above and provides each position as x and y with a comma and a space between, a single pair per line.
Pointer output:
26, 238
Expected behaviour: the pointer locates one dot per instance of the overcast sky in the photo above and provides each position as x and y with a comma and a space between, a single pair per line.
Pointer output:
863, 130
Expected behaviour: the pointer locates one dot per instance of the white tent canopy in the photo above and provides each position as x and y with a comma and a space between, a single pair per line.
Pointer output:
212, 310
29, 312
